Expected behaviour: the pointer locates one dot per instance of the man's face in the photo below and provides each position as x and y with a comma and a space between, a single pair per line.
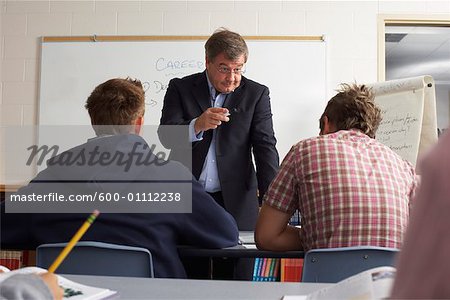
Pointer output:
224, 74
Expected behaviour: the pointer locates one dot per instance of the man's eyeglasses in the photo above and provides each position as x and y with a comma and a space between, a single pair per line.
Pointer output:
226, 70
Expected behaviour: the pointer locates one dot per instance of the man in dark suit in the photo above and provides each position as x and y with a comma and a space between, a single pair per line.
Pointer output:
229, 116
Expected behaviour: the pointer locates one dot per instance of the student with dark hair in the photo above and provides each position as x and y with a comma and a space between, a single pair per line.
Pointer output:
350, 189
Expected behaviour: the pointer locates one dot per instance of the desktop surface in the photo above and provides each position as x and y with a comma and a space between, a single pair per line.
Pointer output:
156, 288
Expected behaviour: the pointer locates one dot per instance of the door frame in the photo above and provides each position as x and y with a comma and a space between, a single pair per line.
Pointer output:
408, 20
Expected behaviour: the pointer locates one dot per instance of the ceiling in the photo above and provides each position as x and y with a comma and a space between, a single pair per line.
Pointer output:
422, 50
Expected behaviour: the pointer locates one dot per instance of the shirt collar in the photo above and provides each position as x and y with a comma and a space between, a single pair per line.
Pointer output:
212, 90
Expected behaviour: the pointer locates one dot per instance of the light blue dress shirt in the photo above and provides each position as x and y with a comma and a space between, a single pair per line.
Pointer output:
209, 177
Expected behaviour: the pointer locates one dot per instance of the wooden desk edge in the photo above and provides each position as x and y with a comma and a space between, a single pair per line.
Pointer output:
9, 188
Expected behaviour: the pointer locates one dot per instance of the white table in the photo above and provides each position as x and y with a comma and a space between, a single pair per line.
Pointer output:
149, 288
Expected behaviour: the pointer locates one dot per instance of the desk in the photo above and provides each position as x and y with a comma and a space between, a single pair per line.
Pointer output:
154, 288
227, 263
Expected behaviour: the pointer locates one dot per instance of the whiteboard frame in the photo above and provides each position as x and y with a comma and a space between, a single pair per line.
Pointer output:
129, 38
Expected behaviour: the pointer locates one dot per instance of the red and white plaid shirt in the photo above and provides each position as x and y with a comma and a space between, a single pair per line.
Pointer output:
349, 188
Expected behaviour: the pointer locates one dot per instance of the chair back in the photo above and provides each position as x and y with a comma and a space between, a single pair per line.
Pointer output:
97, 258
335, 264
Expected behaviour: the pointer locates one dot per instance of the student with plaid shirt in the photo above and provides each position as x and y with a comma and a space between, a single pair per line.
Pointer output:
349, 188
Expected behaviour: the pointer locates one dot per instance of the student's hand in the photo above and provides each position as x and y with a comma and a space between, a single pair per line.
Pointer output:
3, 269
52, 282
211, 119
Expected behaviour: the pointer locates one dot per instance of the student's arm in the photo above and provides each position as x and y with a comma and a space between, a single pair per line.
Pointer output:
273, 232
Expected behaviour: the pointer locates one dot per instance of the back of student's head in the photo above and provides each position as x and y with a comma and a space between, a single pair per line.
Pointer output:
116, 102
353, 107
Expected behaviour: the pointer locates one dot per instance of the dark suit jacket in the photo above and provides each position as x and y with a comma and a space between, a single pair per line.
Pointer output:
250, 128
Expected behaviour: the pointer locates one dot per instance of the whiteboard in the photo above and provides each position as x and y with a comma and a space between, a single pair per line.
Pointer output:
294, 70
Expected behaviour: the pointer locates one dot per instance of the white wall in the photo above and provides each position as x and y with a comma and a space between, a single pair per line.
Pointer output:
350, 28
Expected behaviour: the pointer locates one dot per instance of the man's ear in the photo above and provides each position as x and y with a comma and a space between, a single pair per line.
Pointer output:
138, 124
328, 127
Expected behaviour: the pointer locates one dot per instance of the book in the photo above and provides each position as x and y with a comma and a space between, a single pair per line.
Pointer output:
72, 290
375, 283
266, 269
273, 264
291, 269
262, 269
276, 270
265, 272
258, 261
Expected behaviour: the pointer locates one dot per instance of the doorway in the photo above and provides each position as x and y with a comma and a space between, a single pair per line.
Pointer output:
415, 47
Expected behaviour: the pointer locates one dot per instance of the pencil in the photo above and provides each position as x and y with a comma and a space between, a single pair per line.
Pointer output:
73, 241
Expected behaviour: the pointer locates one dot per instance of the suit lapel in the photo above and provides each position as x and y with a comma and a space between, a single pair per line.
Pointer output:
201, 92
231, 102
232, 99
